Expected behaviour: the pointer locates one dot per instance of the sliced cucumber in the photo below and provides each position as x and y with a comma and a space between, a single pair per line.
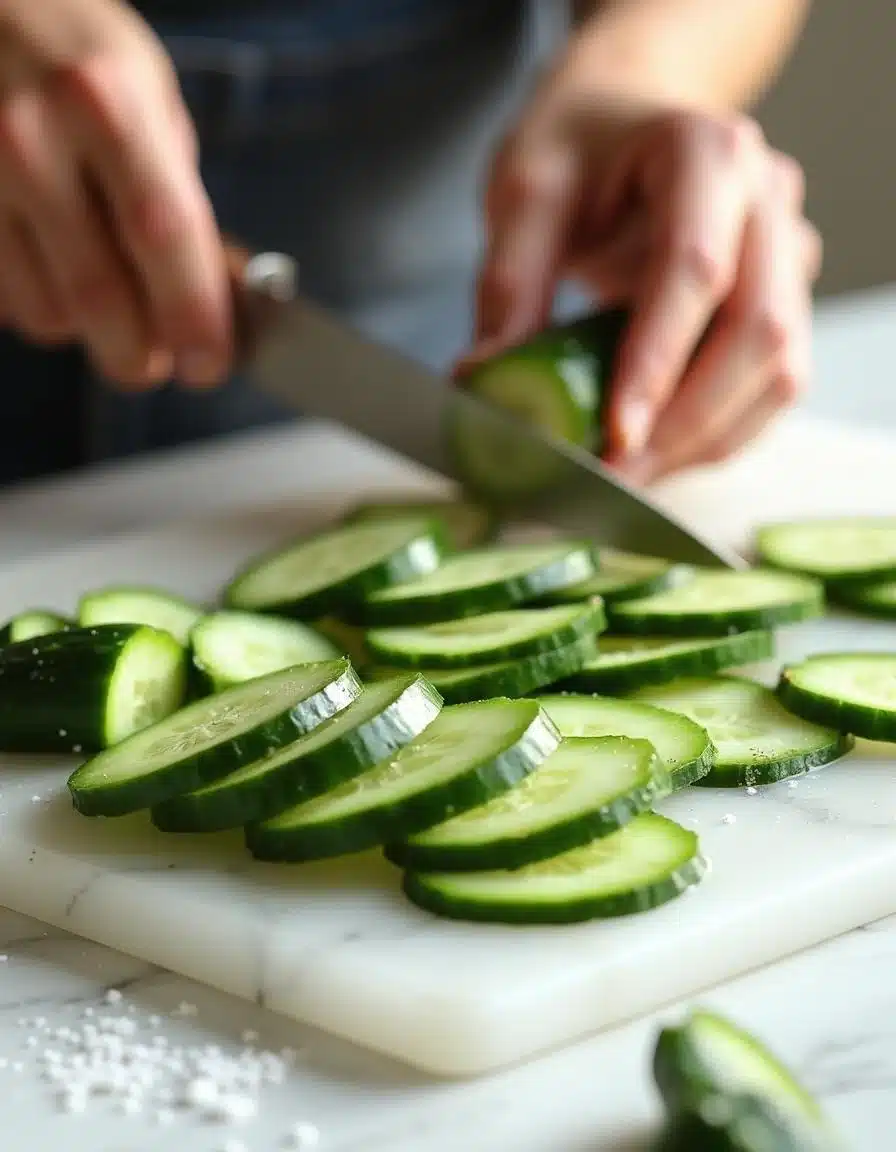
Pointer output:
733, 1123
509, 678
371, 728
231, 647
34, 622
127, 604
683, 746
468, 754
483, 580
84, 689
716, 603
709, 1059
324, 572
867, 599
757, 741
212, 737
495, 636
647, 863
625, 576
588, 788
466, 524
857, 548
623, 663
851, 691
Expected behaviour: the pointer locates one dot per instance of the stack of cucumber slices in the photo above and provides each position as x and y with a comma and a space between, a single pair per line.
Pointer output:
500, 719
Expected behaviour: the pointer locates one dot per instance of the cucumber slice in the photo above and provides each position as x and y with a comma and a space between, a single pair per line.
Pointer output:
324, 572
508, 678
733, 1123
231, 647
867, 599
717, 603
482, 580
126, 604
757, 741
212, 737
371, 728
34, 622
851, 691
683, 746
708, 1058
554, 382
588, 788
625, 576
858, 548
647, 863
623, 663
84, 689
492, 637
467, 755
465, 523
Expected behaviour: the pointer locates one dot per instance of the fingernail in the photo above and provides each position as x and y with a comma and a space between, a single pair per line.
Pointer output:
635, 420
196, 366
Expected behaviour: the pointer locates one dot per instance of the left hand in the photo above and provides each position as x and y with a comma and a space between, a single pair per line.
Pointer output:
689, 218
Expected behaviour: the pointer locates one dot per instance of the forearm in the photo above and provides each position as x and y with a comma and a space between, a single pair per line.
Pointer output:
715, 54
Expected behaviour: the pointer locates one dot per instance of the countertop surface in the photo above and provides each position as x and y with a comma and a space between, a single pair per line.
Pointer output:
167, 1046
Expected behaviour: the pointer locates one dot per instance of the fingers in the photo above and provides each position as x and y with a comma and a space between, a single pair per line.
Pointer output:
31, 302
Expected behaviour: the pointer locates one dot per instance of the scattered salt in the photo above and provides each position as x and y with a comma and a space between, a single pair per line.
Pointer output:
729, 818
751, 791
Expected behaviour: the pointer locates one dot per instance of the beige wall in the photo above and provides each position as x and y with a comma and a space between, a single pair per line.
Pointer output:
835, 110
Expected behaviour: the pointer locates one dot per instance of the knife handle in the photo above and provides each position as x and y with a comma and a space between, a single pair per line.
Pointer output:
261, 283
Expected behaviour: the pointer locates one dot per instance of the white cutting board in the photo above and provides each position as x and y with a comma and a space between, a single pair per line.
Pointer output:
337, 945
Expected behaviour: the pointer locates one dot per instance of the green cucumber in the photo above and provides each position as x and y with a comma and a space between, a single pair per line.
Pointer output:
683, 746
492, 637
850, 691
211, 737
34, 622
732, 1123
133, 604
467, 755
348, 638
371, 728
757, 740
509, 678
321, 574
716, 603
877, 599
623, 663
230, 647
84, 689
587, 788
465, 523
482, 580
625, 576
854, 548
649, 862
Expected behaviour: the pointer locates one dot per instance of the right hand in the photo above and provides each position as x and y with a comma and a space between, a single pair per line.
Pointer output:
107, 236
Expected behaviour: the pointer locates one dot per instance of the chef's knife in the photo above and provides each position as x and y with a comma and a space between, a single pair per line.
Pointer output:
304, 357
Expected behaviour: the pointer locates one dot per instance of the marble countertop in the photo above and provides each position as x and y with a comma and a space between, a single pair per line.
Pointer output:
829, 1012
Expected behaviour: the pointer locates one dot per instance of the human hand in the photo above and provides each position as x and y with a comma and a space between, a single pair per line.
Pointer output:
691, 220
106, 234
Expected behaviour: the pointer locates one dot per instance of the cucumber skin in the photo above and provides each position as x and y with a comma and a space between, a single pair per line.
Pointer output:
419, 892
63, 624
712, 624
858, 597
589, 623
741, 648
371, 829
753, 775
855, 719
196, 769
66, 692
310, 775
731, 1124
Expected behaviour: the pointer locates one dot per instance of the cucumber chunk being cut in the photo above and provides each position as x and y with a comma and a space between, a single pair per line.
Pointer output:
85, 689
624, 663
492, 637
857, 548
716, 603
624, 576
757, 741
212, 737
468, 754
851, 691
482, 580
34, 622
126, 604
371, 728
232, 647
683, 746
466, 524
590, 787
647, 863
509, 678
322, 573
709, 1066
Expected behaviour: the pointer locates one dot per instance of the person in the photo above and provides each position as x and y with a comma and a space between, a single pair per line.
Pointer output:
443, 171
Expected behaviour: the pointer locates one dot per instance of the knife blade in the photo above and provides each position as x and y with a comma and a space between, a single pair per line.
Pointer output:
304, 357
